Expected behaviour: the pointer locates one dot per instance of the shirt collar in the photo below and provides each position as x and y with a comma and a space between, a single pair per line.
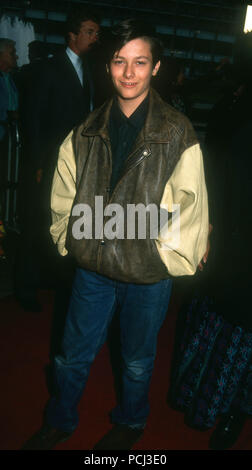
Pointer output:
136, 119
75, 59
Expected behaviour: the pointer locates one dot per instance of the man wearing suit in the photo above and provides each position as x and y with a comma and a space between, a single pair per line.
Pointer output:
60, 98
63, 94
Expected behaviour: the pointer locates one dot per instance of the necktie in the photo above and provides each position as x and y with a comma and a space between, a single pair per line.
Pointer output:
80, 70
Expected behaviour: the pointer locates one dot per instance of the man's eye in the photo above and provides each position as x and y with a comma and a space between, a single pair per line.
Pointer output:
139, 62
118, 62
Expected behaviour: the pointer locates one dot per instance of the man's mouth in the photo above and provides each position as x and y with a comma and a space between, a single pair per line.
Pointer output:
128, 84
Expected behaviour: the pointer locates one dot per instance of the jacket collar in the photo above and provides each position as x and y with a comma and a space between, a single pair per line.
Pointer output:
155, 128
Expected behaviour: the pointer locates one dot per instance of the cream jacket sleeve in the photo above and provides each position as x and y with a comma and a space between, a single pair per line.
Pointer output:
63, 193
182, 245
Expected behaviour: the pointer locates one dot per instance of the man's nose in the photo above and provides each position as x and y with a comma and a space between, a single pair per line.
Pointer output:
128, 71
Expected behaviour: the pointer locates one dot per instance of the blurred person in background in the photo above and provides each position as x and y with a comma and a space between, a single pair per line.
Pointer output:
8, 113
60, 96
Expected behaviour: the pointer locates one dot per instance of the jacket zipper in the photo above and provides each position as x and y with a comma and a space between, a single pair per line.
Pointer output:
102, 242
145, 153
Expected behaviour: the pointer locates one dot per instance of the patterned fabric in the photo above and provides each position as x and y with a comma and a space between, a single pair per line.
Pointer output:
214, 367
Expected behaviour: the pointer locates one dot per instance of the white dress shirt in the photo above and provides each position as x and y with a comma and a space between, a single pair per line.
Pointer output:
77, 63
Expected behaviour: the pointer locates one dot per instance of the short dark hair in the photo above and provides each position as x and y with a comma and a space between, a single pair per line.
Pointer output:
130, 29
76, 16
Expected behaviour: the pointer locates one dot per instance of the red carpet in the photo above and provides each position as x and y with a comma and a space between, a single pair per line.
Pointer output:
24, 355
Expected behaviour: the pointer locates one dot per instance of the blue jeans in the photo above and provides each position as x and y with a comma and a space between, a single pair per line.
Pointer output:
94, 299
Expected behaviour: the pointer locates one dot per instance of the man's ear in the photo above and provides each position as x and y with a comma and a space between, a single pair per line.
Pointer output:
156, 68
71, 37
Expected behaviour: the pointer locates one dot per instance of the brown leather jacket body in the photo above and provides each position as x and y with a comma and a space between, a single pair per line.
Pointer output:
146, 178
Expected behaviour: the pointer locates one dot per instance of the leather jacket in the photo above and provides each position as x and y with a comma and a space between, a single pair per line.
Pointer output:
164, 168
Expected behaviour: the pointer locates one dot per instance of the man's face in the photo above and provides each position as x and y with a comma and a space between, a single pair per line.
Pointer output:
8, 59
131, 70
80, 43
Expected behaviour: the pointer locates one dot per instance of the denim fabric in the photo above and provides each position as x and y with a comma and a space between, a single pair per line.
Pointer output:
94, 300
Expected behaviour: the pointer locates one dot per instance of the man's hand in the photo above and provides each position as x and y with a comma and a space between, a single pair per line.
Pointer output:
204, 259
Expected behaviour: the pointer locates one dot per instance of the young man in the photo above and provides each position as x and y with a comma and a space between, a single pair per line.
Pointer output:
134, 150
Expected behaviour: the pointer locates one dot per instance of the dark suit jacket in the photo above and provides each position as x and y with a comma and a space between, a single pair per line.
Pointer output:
55, 104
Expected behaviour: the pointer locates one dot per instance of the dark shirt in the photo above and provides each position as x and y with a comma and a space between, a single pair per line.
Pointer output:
123, 132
